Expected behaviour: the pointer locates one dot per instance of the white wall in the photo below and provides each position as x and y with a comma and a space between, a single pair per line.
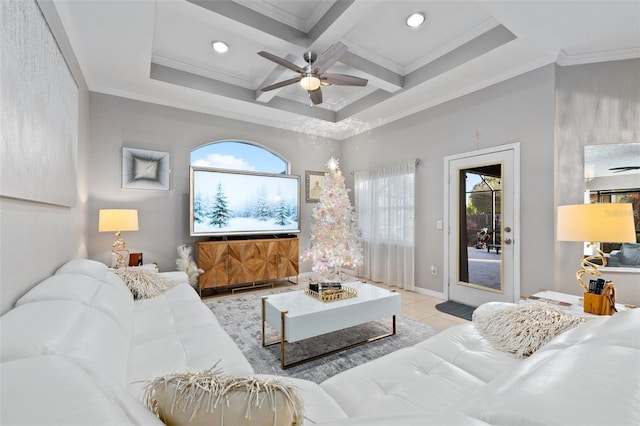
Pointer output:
596, 104
164, 215
38, 238
518, 110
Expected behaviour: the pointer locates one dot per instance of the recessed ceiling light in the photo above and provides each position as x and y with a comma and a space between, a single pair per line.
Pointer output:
415, 19
220, 46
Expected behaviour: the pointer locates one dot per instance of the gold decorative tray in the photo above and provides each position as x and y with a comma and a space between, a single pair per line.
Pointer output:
331, 295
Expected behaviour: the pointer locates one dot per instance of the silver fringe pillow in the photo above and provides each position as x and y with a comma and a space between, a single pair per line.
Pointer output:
523, 329
209, 398
143, 283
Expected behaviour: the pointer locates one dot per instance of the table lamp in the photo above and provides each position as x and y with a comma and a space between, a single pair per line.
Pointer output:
595, 223
118, 220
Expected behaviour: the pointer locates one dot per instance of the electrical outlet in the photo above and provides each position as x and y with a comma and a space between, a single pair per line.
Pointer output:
438, 224
434, 270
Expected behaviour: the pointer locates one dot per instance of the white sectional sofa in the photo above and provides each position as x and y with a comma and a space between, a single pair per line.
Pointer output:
77, 350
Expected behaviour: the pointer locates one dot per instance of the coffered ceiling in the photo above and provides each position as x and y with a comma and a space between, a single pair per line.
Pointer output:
160, 51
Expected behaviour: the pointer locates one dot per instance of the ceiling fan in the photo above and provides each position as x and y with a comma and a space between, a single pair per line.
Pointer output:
624, 169
313, 75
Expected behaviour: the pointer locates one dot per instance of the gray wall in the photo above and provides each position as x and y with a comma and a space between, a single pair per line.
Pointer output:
164, 215
38, 238
519, 110
596, 104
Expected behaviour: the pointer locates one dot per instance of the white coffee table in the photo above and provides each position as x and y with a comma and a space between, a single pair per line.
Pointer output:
297, 316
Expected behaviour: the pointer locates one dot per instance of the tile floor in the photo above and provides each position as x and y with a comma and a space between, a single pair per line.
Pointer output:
421, 308
417, 306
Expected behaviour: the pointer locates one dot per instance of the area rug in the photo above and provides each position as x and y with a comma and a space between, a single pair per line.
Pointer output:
241, 318
456, 309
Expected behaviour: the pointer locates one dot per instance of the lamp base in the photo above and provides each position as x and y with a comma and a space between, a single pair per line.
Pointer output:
121, 258
121, 252
588, 267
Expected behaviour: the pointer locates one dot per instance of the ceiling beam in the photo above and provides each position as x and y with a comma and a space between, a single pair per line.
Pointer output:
492, 39
339, 19
337, 22
333, 25
204, 84
255, 21
277, 74
377, 75
362, 104
472, 49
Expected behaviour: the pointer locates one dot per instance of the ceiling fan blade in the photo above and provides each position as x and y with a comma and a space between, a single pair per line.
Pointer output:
329, 57
281, 61
315, 96
281, 84
344, 80
624, 169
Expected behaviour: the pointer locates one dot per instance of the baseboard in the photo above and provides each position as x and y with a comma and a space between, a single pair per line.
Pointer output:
431, 293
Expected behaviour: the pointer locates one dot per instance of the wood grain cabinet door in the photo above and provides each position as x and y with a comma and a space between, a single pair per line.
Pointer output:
241, 265
212, 257
288, 257
266, 260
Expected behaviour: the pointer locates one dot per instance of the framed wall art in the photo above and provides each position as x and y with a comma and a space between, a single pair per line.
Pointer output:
313, 184
38, 110
142, 169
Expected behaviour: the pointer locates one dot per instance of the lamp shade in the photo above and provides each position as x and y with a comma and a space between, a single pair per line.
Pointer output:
604, 222
115, 220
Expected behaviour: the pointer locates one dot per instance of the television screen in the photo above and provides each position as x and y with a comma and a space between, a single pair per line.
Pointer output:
231, 202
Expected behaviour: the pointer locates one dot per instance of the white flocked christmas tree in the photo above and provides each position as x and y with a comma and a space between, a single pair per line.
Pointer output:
334, 234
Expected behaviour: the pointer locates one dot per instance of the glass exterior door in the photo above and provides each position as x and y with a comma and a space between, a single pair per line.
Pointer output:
482, 241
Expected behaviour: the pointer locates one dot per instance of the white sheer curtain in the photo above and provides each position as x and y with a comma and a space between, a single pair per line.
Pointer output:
385, 206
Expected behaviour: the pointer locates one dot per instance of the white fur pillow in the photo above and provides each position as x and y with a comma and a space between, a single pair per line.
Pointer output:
208, 398
144, 283
523, 329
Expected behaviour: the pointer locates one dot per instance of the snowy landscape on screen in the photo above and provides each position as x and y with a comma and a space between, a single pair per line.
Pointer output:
228, 202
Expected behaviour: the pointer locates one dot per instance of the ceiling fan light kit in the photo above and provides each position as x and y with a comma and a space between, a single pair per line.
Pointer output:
310, 82
312, 76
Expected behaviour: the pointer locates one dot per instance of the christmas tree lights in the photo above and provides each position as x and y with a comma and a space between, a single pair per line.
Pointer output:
334, 234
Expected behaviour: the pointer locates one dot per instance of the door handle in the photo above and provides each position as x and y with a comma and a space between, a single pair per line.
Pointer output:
507, 241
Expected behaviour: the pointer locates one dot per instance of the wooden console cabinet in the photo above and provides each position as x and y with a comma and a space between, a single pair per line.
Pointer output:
228, 263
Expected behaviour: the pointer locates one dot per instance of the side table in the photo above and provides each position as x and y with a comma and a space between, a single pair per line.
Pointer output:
567, 302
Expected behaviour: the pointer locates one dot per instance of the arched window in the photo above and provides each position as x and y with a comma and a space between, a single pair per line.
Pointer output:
238, 155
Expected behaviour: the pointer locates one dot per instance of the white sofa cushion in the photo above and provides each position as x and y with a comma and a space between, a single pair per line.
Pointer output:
319, 406
177, 276
51, 390
90, 268
176, 332
448, 417
439, 372
87, 335
36, 329
108, 294
589, 375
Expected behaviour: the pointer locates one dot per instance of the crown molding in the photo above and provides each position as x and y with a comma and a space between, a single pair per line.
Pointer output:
565, 59
166, 61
